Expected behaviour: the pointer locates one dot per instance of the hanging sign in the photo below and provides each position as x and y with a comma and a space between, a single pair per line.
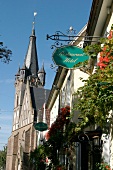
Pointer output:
69, 56
41, 126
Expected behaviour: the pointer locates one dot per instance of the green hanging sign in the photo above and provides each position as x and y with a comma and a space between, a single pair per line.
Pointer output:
41, 126
69, 56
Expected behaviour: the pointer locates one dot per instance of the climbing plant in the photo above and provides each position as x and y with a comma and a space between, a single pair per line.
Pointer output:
58, 134
38, 158
3, 154
56, 137
95, 98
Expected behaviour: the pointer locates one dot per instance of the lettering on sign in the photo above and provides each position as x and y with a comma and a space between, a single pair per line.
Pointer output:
68, 60
69, 56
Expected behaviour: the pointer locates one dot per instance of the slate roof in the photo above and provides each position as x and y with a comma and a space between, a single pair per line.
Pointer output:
31, 60
42, 70
38, 98
23, 87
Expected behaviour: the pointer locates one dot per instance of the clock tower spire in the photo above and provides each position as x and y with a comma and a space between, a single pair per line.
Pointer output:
31, 59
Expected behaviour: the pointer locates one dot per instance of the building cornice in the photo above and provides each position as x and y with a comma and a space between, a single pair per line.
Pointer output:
98, 17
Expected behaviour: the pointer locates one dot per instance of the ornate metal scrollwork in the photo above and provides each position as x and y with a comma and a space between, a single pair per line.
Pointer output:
83, 137
59, 37
97, 149
57, 44
54, 67
62, 39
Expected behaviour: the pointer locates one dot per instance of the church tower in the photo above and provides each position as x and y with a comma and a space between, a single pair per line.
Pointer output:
29, 100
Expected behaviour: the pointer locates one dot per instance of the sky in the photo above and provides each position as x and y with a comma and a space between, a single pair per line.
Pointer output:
16, 18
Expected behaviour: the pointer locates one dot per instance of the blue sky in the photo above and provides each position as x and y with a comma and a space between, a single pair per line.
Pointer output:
16, 19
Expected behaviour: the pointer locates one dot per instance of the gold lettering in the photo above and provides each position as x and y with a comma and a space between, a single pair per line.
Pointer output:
68, 54
68, 60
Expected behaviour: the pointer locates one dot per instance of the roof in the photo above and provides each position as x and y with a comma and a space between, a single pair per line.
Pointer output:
42, 70
99, 17
38, 97
31, 60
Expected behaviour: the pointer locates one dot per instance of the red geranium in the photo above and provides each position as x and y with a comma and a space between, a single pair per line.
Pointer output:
105, 54
60, 121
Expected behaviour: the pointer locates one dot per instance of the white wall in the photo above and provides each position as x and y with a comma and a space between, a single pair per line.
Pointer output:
54, 111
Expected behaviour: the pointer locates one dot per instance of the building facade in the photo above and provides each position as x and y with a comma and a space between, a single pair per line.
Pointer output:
98, 145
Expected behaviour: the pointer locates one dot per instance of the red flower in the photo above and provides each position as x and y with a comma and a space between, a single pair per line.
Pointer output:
105, 57
60, 121
101, 65
47, 136
46, 160
107, 166
59, 168
110, 34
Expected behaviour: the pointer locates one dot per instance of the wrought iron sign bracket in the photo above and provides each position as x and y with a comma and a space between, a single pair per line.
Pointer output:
60, 37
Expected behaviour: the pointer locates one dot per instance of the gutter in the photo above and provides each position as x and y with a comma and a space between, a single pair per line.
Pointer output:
58, 82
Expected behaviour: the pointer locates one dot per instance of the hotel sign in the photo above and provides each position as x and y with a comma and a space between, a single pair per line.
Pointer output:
41, 126
69, 56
